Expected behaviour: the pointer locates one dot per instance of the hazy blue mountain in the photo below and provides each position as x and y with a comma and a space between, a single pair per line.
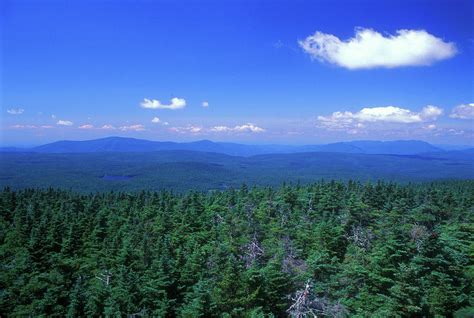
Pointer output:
452, 147
397, 147
12, 149
121, 144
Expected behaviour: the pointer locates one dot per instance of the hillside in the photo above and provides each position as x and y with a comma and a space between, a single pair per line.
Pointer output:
354, 250
186, 170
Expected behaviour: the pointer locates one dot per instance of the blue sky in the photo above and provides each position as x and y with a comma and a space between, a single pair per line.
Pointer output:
82, 69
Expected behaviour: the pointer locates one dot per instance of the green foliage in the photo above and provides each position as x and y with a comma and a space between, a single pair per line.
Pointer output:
379, 250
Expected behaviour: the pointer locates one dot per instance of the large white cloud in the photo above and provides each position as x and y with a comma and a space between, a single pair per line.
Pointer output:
385, 114
176, 103
15, 111
371, 49
239, 128
463, 111
64, 123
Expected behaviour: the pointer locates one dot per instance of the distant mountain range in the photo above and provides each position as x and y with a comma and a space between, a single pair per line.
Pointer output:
121, 144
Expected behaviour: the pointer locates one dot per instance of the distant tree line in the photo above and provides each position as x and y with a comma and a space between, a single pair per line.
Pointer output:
328, 249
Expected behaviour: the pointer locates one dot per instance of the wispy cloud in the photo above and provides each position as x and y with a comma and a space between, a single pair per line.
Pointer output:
249, 127
18, 126
385, 114
64, 123
430, 127
86, 126
188, 129
108, 127
176, 103
371, 49
136, 127
463, 111
15, 111
205, 104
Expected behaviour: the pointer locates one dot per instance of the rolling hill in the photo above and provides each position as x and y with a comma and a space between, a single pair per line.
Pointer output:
182, 170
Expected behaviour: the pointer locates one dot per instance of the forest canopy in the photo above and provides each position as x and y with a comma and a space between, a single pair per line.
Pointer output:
329, 248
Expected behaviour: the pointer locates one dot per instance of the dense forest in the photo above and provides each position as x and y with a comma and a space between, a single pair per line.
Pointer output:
326, 249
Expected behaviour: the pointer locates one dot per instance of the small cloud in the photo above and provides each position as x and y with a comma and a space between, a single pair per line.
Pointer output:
47, 127
176, 103
156, 120
53, 116
463, 111
132, 128
430, 127
86, 126
242, 128
108, 127
371, 49
205, 104
64, 123
15, 111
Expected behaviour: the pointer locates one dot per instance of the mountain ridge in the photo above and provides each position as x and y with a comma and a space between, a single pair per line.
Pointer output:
126, 144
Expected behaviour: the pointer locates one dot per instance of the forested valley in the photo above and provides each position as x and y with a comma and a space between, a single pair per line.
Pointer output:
327, 249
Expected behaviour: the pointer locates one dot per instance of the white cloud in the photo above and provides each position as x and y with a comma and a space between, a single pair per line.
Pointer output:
430, 127
47, 127
86, 126
371, 49
157, 120
205, 104
15, 111
136, 127
188, 129
386, 114
242, 128
53, 116
108, 127
463, 111
64, 123
176, 103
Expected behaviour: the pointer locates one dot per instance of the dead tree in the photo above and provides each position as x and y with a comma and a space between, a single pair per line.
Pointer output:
252, 251
105, 277
305, 304
301, 303
361, 237
419, 234
141, 313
